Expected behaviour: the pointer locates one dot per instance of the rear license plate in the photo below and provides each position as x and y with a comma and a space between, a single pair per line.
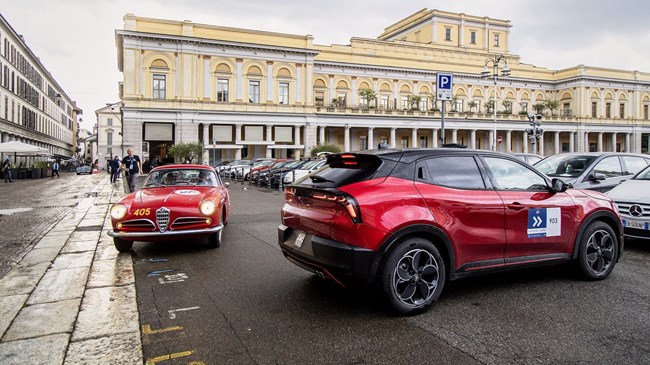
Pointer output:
300, 239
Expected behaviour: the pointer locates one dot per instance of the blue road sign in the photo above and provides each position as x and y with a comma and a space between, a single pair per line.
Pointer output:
444, 86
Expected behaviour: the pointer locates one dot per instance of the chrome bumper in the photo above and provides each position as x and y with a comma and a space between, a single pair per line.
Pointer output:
188, 232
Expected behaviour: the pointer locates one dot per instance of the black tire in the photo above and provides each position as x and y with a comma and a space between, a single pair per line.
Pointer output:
598, 251
214, 240
413, 275
122, 245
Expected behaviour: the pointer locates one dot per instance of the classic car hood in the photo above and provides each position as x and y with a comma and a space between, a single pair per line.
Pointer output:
169, 196
632, 191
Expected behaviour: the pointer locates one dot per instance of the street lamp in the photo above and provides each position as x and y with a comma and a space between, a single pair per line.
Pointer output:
535, 132
505, 71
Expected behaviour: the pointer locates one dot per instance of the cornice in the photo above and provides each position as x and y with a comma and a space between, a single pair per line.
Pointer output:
213, 43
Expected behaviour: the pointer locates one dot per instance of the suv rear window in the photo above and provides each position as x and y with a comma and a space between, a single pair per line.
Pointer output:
460, 172
344, 169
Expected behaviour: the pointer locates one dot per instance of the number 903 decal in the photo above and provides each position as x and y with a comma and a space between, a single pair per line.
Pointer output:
141, 212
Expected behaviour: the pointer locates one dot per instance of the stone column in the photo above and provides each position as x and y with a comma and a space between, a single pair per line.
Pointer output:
600, 141
206, 77
392, 137
454, 136
557, 142
296, 141
239, 82
414, 138
238, 139
321, 135
331, 91
472, 138
572, 142
299, 85
269, 140
269, 82
371, 138
524, 142
206, 143
354, 91
614, 142
508, 141
434, 138
346, 138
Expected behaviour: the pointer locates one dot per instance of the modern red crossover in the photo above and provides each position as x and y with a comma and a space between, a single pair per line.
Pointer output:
409, 220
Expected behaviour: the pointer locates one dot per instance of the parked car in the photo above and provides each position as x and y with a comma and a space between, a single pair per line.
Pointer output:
262, 178
530, 158
245, 171
599, 171
410, 220
84, 169
229, 169
175, 202
632, 198
277, 175
305, 169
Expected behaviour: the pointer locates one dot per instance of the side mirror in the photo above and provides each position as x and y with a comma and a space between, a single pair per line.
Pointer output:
597, 176
559, 186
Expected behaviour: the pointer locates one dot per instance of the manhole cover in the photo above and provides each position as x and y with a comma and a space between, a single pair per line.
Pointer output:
89, 228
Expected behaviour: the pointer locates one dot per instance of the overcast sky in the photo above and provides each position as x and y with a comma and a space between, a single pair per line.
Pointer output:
75, 39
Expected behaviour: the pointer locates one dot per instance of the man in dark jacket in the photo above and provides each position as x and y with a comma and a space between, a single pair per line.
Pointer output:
115, 169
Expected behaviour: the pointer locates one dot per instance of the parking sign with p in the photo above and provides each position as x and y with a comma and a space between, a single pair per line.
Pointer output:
444, 86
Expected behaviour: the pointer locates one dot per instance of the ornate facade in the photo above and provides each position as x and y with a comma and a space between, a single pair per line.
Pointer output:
249, 93
34, 109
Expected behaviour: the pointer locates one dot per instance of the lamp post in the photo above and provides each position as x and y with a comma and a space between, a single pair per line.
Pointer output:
505, 71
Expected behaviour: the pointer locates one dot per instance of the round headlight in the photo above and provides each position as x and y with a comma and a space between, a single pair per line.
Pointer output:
118, 211
208, 207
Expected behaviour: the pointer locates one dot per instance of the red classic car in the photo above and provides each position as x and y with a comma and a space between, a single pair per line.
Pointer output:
175, 202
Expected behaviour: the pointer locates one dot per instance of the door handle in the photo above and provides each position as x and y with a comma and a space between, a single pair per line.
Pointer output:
516, 206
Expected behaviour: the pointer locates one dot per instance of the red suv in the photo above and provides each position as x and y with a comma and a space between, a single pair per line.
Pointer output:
409, 220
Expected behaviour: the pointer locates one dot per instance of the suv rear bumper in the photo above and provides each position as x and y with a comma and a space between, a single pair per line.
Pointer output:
341, 262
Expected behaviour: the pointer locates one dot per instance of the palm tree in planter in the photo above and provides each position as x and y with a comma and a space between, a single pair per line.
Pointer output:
471, 105
552, 105
539, 108
369, 95
414, 102
489, 106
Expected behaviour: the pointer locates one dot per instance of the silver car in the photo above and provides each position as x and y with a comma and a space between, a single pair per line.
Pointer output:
632, 198
600, 171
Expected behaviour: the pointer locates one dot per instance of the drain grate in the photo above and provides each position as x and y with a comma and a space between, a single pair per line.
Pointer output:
89, 228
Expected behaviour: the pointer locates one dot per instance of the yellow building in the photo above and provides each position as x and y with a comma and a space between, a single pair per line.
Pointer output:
250, 93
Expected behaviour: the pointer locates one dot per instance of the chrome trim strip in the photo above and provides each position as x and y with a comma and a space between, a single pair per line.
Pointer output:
210, 230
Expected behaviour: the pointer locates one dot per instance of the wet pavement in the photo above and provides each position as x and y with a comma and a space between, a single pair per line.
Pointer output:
66, 295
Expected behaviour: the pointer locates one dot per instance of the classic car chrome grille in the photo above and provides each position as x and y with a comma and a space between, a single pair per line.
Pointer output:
187, 221
635, 210
139, 223
162, 218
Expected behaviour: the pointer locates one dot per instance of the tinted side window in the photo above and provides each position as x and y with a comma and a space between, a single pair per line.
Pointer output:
510, 175
610, 166
460, 172
634, 164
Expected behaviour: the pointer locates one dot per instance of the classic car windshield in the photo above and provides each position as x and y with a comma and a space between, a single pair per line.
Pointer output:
193, 177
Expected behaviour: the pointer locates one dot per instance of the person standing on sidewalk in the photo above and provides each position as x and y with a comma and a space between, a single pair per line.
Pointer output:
55, 169
132, 167
114, 164
6, 169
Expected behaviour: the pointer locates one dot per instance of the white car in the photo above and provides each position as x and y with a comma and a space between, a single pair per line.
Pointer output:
304, 170
632, 198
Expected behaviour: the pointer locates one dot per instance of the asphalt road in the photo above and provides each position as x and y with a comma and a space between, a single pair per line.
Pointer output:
244, 303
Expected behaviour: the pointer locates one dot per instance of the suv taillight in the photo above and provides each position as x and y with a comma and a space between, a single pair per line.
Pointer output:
346, 201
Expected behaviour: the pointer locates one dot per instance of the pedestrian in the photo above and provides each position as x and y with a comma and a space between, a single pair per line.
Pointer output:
6, 169
132, 167
55, 169
114, 165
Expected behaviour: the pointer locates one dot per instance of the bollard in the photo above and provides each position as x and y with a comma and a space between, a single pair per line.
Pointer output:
280, 181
